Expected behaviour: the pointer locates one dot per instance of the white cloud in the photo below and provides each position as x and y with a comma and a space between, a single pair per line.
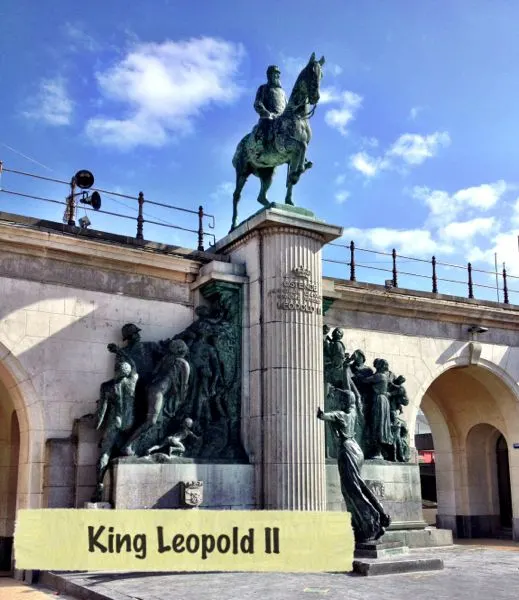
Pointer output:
52, 104
367, 165
515, 213
505, 245
414, 149
329, 94
341, 196
370, 142
339, 118
163, 87
445, 207
483, 196
340, 179
410, 149
224, 191
464, 231
415, 111
412, 242
79, 39
292, 66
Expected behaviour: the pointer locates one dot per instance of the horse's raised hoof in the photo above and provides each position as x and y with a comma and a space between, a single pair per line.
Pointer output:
308, 165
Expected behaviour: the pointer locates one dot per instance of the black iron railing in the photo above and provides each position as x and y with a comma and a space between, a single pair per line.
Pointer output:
436, 281
141, 218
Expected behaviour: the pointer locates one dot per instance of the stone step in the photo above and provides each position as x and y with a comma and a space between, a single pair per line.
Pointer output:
395, 566
380, 544
380, 549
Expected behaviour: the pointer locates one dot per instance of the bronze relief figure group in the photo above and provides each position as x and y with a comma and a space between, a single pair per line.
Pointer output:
379, 397
363, 407
176, 397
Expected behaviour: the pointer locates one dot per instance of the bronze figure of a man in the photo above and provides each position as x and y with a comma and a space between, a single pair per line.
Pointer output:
270, 102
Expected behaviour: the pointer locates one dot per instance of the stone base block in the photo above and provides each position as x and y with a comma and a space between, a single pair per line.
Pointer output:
393, 566
419, 538
136, 486
396, 485
379, 549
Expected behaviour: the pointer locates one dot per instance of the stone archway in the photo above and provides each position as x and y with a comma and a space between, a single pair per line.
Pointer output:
468, 408
9, 461
21, 448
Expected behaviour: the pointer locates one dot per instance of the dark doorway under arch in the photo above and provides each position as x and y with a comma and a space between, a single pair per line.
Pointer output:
503, 483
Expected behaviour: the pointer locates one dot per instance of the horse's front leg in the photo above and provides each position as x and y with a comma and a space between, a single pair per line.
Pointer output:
288, 197
240, 182
298, 161
296, 167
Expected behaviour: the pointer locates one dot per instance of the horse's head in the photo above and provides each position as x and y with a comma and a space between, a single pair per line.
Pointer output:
311, 75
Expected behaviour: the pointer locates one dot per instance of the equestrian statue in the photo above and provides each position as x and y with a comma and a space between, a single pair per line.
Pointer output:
282, 134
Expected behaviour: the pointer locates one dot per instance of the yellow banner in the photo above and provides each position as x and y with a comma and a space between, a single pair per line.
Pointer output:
183, 540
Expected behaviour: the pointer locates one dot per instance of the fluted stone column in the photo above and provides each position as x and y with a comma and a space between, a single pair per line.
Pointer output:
282, 252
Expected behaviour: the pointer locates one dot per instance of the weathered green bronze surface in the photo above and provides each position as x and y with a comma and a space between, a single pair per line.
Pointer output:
379, 397
115, 415
368, 517
179, 398
282, 134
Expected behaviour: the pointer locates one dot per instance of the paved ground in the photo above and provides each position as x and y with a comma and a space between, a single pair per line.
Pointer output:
472, 572
14, 590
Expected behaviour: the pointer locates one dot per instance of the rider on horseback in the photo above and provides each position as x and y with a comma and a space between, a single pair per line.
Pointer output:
282, 135
270, 102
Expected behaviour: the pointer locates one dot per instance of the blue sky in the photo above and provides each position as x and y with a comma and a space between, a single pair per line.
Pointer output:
414, 141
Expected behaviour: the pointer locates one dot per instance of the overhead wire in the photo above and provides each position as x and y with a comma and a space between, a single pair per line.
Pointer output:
111, 194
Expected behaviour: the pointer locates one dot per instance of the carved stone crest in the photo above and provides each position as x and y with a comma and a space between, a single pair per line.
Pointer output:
192, 493
377, 487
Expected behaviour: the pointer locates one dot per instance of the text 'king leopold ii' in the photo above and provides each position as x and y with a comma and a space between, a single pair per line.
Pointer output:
106, 540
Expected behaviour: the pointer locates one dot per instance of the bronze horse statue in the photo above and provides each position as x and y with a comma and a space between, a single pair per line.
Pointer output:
289, 137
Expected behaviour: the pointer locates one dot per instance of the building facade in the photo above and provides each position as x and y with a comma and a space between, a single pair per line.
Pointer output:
64, 298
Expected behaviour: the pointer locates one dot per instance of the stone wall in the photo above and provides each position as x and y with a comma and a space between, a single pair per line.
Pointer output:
225, 486
59, 334
458, 379
63, 301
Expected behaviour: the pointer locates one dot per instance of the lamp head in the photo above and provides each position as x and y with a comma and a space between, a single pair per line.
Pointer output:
477, 329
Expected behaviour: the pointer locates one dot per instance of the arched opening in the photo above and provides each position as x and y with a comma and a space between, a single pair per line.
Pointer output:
9, 463
503, 484
471, 412
22, 437
424, 445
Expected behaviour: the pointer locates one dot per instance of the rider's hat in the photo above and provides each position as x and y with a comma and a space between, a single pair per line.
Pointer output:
273, 69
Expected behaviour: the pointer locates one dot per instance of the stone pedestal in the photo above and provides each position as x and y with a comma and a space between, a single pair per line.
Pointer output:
281, 248
137, 485
380, 549
397, 486
396, 565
